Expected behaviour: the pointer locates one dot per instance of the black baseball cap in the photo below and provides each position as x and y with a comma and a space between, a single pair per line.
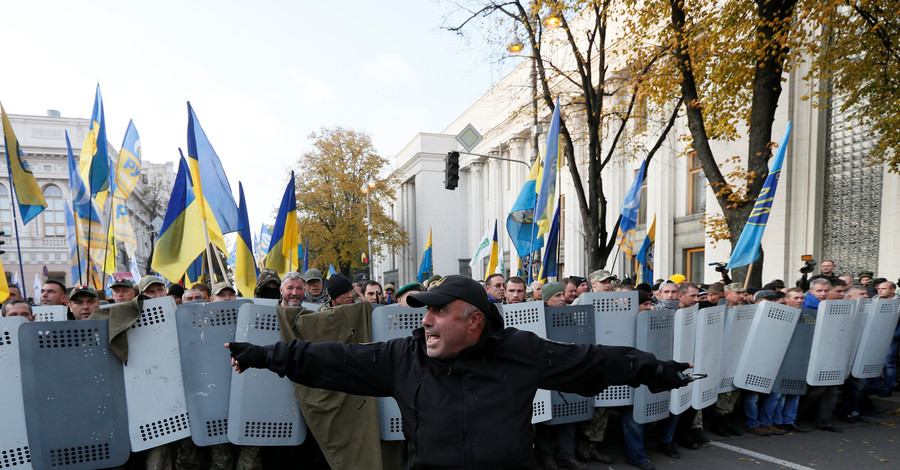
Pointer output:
360, 278
446, 290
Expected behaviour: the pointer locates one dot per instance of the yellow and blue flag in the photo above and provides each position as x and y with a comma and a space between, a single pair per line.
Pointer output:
426, 268
630, 209
549, 261
543, 212
285, 235
195, 270
28, 193
128, 167
746, 250
208, 174
520, 221
178, 244
212, 226
245, 272
331, 270
645, 255
94, 159
495, 254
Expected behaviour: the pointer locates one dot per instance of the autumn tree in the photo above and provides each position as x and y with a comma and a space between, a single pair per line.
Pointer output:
331, 205
578, 55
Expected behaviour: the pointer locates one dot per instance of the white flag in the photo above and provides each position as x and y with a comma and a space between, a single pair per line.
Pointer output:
135, 273
484, 248
37, 287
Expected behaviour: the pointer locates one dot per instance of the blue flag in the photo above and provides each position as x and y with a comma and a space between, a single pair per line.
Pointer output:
520, 221
630, 209
306, 256
645, 255
549, 262
747, 249
331, 270
543, 212
216, 189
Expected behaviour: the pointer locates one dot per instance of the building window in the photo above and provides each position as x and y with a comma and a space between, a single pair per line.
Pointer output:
54, 215
5, 210
696, 187
694, 260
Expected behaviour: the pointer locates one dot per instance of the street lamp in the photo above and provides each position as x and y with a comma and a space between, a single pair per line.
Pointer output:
366, 189
516, 47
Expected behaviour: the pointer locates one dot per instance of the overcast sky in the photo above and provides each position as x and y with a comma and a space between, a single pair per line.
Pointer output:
260, 75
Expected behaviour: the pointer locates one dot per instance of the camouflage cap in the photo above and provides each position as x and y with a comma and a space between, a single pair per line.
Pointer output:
735, 287
148, 281
600, 275
220, 286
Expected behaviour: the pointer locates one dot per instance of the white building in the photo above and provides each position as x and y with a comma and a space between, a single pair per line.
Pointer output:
829, 203
43, 241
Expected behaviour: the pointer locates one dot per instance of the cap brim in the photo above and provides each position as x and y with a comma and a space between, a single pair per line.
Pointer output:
422, 299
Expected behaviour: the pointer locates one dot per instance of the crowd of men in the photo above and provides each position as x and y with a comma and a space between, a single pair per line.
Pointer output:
556, 446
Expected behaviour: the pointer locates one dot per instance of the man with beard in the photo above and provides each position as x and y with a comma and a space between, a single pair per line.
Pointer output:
315, 287
292, 289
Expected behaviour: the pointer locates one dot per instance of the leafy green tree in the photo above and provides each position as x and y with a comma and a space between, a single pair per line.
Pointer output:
331, 205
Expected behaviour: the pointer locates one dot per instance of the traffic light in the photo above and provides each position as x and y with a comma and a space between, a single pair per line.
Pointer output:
2, 234
451, 171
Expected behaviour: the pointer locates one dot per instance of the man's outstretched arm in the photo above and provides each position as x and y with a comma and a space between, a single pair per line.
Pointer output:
351, 368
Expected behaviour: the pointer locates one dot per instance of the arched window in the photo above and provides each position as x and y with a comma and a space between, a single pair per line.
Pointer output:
54, 214
5, 211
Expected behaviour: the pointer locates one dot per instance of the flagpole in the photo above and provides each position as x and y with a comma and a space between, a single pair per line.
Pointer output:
747, 279
109, 227
208, 252
12, 202
221, 266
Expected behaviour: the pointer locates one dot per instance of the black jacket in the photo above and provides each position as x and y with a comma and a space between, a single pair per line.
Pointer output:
473, 411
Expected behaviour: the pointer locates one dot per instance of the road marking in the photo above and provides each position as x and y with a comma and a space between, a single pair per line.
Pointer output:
757, 455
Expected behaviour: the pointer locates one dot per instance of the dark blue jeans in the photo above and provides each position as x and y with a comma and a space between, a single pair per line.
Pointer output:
634, 434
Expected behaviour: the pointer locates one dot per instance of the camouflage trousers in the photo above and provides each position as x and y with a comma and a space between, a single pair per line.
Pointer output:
595, 428
726, 401
158, 458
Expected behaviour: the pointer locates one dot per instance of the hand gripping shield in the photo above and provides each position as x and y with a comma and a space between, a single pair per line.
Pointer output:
767, 341
392, 322
737, 326
834, 342
655, 329
615, 320
154, 389
878, 330
50, 312
203, 328
708, 356
684, 342
529, 316
791, 378
74, 391
572, 324
14, 451
275, 420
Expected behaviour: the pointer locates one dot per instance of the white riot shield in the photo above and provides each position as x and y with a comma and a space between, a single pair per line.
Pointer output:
877, 333
312, 306
275, 421
529, 316
203, 328
391, 322
684, 337
791, 378
737, 326
834, 342
615, 320
14, 451
708, 355
767, 341
50, 312
655, 329
268, 302
154, 389
570, 324
74, 392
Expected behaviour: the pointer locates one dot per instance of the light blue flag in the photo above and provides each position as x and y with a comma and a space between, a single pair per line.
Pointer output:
630, 208
331, 270
81, 198
265, 237
216, 189
426, 269
747, 249
72, 243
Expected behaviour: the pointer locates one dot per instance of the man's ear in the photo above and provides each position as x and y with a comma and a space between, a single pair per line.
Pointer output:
475, 318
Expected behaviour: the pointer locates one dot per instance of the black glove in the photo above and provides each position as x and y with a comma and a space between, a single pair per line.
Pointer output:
248, 355
669, 376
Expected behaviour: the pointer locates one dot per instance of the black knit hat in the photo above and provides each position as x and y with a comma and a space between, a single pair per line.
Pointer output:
338, 285
446, 290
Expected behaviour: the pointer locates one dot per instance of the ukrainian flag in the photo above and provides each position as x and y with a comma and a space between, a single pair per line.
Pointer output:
520, 221
630, 209
28, 193
178, 244
645, 255
426, 269
746, 250
549, 261
128, 167
212, 225
285, 235
547, 194
331, 270
206, 170
495, 254
245, 273
94, 159
88, 229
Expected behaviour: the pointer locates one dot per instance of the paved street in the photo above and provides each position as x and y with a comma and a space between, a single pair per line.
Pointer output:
861, 446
